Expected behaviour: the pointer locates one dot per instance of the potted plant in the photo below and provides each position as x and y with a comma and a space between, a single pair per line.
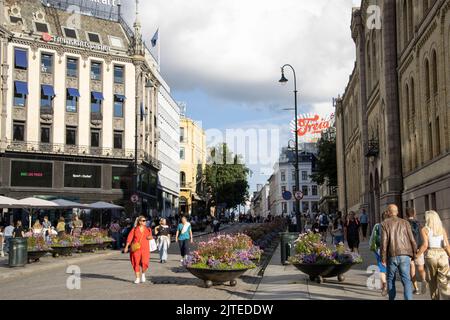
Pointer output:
94, 239
37, 247
64, 245
318, 261
223, 259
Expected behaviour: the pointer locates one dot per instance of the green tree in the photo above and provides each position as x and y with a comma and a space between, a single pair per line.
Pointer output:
327, 162
226, 178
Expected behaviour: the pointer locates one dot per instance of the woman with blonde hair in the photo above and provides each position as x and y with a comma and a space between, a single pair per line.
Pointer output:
437, 250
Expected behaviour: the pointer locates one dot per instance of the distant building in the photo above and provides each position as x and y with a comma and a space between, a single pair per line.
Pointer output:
260, 202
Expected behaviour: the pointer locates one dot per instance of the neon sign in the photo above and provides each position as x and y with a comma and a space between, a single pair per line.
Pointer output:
312, 125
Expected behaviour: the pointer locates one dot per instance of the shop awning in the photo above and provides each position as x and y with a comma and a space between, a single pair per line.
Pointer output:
98, 95
120, 97
21, 60
48, 90
73, 92
21, 87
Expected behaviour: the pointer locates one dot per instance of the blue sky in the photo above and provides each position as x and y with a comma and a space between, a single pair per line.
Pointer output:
223, 58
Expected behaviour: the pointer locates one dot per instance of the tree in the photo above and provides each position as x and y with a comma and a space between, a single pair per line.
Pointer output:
226, 178
326, 162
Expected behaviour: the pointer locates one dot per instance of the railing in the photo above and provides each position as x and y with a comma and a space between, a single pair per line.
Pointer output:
85, 7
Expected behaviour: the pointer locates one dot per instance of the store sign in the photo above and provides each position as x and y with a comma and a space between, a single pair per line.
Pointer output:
312, 125
82, 176
75, 43
31, 174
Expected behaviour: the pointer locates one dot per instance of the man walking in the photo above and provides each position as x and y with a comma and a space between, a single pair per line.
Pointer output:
8, 234
398, 248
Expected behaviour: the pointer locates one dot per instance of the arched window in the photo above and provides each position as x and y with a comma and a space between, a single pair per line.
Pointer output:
407, 106
427, 80
434, 68
413, 99
437, 127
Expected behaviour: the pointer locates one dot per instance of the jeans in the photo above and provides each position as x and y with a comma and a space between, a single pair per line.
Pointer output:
163, 251
184, 247
6, 249
402, 264
117, 244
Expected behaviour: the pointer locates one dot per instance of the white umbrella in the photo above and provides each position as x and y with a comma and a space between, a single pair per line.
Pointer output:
35, 203
104, 206
65, 204
6, 202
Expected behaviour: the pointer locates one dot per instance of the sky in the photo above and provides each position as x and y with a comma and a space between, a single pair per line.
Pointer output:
223, 59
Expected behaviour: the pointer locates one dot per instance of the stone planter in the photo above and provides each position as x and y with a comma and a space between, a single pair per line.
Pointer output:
106, 245
214, 277
35, 256
63, 251
318, 273
89, 247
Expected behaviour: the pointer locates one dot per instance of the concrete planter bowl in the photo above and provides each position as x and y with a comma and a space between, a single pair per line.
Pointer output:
318, 273
217, 277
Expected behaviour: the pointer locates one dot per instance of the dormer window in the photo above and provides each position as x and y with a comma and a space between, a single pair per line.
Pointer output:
116, 42
16, 20
41, 27
94, 37
70, 33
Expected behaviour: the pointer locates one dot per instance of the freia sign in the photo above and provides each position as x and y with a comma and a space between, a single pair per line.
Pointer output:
75, 43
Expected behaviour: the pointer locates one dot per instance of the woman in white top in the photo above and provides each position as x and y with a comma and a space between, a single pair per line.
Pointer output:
437, 249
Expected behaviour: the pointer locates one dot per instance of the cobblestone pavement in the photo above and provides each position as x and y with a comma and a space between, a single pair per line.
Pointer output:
111, 278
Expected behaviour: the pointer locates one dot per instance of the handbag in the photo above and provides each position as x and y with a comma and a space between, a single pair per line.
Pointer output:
153, 246
136, 246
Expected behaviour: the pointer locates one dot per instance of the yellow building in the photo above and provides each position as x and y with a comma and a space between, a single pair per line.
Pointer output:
193, 163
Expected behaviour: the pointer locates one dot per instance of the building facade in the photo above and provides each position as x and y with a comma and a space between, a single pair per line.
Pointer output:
393, 119
283, 180
80, 107
260, 206
193, 164
169, 153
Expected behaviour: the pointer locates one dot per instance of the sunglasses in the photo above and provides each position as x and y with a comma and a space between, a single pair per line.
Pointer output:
143, 220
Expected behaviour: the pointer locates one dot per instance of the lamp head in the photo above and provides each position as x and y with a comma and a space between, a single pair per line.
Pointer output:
283, 79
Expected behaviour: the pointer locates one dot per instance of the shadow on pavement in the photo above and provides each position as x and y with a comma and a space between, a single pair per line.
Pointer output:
103, 277
165, 280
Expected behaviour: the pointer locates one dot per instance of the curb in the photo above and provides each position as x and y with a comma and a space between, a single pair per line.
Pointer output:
31, 269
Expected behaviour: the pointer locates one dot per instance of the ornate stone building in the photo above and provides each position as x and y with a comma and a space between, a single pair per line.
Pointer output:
393, 119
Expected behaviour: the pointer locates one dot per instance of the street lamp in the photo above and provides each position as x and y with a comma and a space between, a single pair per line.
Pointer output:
284, 81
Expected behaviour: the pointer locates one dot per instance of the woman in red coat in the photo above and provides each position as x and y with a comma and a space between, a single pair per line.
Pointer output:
141, 257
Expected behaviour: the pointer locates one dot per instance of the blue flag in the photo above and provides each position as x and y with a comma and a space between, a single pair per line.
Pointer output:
155, 38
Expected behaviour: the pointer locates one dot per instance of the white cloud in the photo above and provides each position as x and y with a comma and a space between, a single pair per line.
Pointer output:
233, 49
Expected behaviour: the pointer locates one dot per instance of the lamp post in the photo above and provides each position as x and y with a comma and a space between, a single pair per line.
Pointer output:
284, 80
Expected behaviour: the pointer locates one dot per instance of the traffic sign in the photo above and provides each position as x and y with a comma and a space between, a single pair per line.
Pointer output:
299, 195
135, 198
287, 195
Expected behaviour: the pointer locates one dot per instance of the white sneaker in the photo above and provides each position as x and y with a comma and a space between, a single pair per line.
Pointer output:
137, 281
143, 279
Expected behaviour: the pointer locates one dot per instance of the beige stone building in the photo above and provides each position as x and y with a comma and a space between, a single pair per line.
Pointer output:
393, 120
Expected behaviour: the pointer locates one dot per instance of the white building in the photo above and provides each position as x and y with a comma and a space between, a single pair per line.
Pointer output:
260, 206
169, 152
283, 180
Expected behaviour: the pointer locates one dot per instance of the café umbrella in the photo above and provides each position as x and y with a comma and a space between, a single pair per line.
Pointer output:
9, 203
30, 204
66, 204
104, 206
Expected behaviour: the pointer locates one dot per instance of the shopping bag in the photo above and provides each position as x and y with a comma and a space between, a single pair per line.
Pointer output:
153, 246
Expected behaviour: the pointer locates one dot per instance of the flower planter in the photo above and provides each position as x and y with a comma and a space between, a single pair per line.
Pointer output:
106, 245
318, 272
35, 256
214, 277
89, 247
63, 251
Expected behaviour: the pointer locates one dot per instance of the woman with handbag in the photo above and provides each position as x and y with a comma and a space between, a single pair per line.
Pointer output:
138, 242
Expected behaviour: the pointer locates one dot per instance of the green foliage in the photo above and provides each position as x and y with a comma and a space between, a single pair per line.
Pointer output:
226, 178
326, 162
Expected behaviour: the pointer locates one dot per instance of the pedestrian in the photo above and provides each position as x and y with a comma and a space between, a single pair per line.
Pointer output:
324, 224
77, 226
115, 234
2, 239
364, 220
163, 233
183, 237
436, 246
398, 247
138, 239
352, 232
418, 265
61, 227
38, 230
338, 231
375, 247
9, 232
18, 231
46, 225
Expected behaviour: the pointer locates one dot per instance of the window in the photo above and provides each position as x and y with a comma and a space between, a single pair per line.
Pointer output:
19, 131
118, 140
116, 42
71, 136
96, 71
183, 179
45, 134
434, 66
314, 191
72, 67
438, 136
41, 27
305, 175
15, 20
72, 96
70, 33
46, 63
21, 59
305, 207
283, 176
96, 102
118, 74
294, 175
94, 37
427, 203
182, 154
47, 94
95, 138
305, 190
284, 207
118, 106
182, 134
427, 81
20, 93
283, 189
433, 202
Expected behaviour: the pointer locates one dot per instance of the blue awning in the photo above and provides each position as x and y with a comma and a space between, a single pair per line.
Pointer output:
48, 90
21, 60
120, 97
97, 95
73, 92
21, 87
